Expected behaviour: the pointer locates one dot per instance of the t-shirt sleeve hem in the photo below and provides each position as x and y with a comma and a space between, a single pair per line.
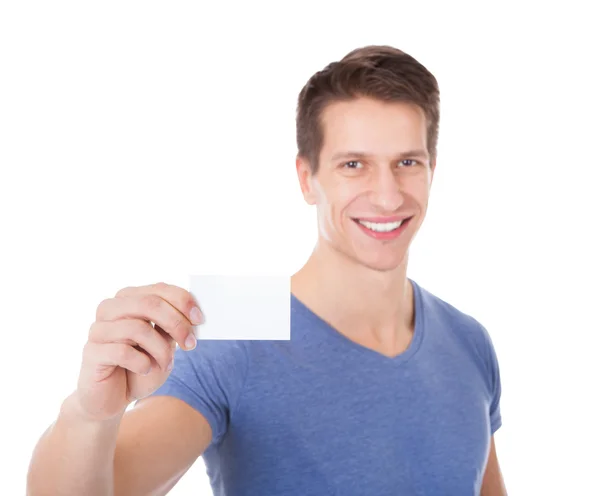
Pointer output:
496, 424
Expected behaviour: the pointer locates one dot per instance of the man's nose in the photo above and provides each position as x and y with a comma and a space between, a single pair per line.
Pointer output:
386, 191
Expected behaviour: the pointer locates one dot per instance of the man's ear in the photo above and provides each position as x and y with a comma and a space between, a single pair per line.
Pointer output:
305, 180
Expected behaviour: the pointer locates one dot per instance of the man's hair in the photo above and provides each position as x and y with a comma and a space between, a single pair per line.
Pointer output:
381, 72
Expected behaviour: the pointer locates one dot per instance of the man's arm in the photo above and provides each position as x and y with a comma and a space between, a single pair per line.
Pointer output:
493, 483
146, 453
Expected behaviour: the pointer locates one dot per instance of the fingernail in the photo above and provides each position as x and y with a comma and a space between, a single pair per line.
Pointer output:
196, 316
170, 366
190, 342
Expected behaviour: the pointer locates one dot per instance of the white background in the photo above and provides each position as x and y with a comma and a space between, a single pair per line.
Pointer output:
144, 141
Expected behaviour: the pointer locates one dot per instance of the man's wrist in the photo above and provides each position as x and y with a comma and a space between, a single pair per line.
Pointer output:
72, 411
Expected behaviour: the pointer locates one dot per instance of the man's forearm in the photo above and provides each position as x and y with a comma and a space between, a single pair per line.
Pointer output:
74, 456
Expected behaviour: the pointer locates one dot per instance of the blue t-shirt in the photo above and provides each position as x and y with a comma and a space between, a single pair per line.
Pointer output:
321, 415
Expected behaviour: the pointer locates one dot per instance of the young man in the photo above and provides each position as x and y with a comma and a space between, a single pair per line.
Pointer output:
383, 387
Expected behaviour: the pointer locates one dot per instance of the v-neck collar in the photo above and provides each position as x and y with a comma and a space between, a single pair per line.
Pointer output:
352, 349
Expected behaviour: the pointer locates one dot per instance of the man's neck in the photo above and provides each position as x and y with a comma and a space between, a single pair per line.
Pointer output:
365, 304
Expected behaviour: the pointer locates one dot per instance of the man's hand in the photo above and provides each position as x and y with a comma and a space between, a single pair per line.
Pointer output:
126, 357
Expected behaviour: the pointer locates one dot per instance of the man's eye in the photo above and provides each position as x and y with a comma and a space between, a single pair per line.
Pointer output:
408, 160
353, 164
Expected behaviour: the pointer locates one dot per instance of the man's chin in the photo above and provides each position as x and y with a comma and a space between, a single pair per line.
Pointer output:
365, 256
381, 264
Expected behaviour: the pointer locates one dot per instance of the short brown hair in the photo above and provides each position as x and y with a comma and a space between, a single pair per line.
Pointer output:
376, 71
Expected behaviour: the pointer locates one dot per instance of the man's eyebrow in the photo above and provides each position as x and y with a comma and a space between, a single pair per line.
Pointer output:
356, 154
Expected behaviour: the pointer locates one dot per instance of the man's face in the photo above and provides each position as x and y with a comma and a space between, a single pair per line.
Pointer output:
373, 166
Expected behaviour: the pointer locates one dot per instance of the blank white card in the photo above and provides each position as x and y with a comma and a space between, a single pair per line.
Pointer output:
242, 307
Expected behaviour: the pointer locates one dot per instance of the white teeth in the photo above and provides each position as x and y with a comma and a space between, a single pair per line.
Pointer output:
381, 227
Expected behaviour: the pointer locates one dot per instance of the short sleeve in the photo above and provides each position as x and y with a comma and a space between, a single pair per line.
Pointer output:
210, 379
493, 370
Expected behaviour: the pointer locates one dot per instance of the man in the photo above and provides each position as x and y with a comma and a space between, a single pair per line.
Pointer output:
383, 388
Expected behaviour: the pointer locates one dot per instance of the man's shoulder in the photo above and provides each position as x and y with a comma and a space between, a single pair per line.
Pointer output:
464, 331
443, 307
449, 316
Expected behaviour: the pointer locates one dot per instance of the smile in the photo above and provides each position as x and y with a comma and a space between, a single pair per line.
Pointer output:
383, 230
381, 227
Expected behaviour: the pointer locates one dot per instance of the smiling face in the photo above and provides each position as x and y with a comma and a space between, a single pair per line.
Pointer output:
373, 166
